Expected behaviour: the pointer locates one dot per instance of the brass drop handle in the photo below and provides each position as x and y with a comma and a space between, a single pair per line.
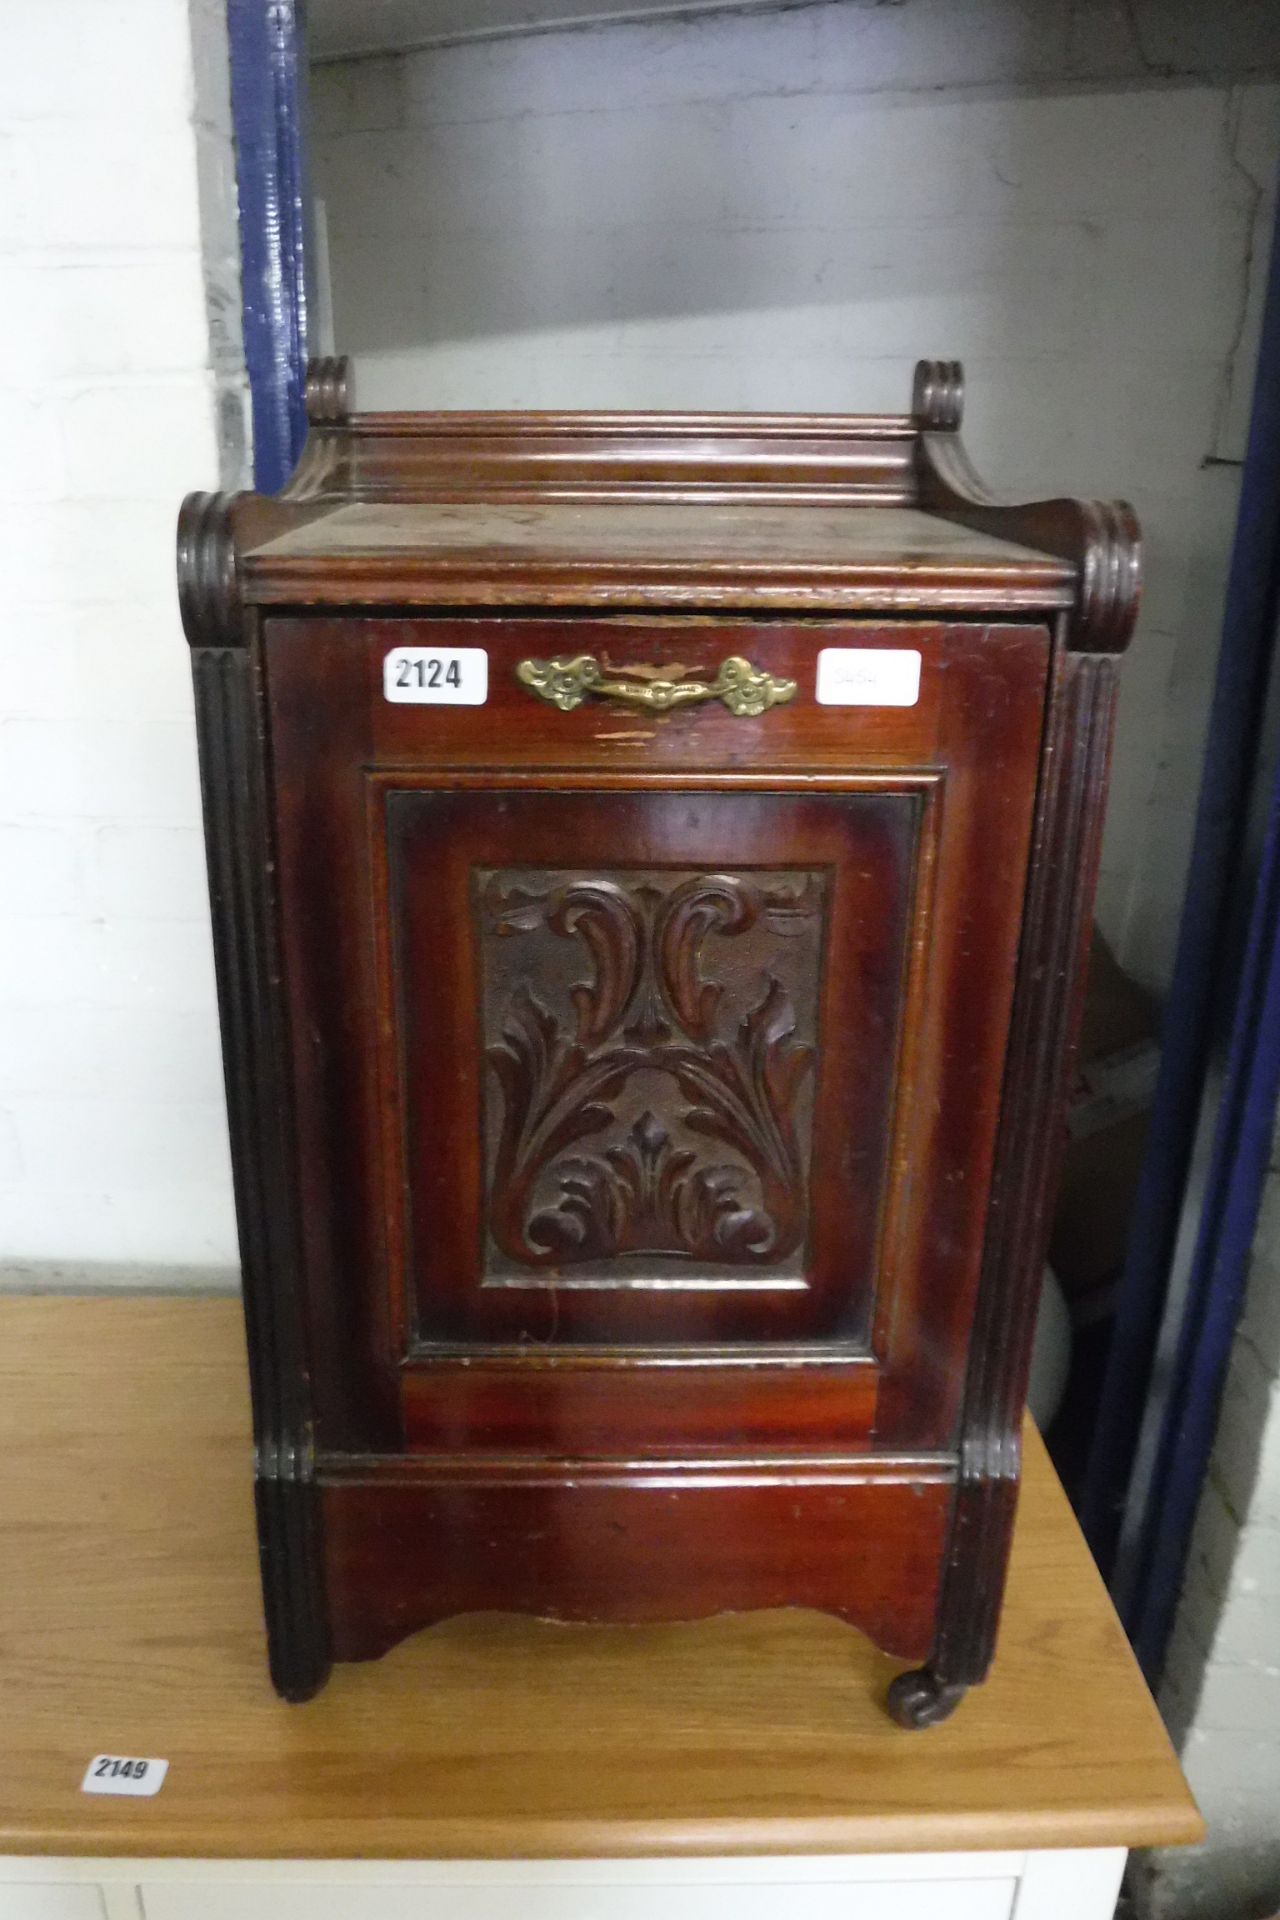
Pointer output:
565, 683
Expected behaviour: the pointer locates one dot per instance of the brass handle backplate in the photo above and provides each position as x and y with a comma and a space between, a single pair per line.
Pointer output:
565, 683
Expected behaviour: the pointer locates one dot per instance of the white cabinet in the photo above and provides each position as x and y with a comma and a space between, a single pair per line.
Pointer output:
731, 1900
1069, 1885
18, 1902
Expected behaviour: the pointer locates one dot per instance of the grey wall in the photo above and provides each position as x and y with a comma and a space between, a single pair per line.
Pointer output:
785, 209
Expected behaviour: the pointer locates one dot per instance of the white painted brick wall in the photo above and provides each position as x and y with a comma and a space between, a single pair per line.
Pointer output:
785, 209
119, 337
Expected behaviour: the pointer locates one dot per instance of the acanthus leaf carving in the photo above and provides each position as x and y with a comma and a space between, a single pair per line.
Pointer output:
651, 1008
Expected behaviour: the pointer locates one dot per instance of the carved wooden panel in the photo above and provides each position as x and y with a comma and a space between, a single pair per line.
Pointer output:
650, 1037
637, 1100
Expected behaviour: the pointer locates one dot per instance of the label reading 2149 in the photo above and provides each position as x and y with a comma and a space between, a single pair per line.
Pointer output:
436, 676
122, 1773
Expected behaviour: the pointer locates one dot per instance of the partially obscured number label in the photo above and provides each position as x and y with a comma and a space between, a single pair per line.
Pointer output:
868, 677
119, 1773
436, 676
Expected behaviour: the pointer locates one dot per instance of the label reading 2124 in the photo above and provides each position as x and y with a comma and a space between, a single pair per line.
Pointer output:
436, 676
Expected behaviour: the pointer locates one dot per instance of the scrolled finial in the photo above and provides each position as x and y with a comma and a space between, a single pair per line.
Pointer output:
1100, 538
208, 586
937, 396
328, 390
1110, 576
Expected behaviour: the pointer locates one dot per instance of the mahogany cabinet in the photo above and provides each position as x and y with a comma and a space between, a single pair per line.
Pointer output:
651, 860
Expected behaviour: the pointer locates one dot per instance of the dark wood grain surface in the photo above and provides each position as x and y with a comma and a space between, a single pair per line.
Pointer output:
712, 554
645, 1084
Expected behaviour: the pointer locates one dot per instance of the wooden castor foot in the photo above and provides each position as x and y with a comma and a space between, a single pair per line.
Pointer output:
918, 1698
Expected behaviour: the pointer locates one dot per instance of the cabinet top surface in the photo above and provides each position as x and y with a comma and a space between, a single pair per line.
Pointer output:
130, 1622
731, 553
687, 512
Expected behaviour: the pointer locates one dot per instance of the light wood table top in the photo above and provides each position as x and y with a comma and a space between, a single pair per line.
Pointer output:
130, 1623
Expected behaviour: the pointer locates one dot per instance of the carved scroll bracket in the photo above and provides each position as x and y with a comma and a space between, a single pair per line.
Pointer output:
328, 390
937, 396
208, 577
1100, 537
216, 529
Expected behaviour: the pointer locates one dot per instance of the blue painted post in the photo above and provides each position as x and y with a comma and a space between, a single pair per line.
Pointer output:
268, 85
